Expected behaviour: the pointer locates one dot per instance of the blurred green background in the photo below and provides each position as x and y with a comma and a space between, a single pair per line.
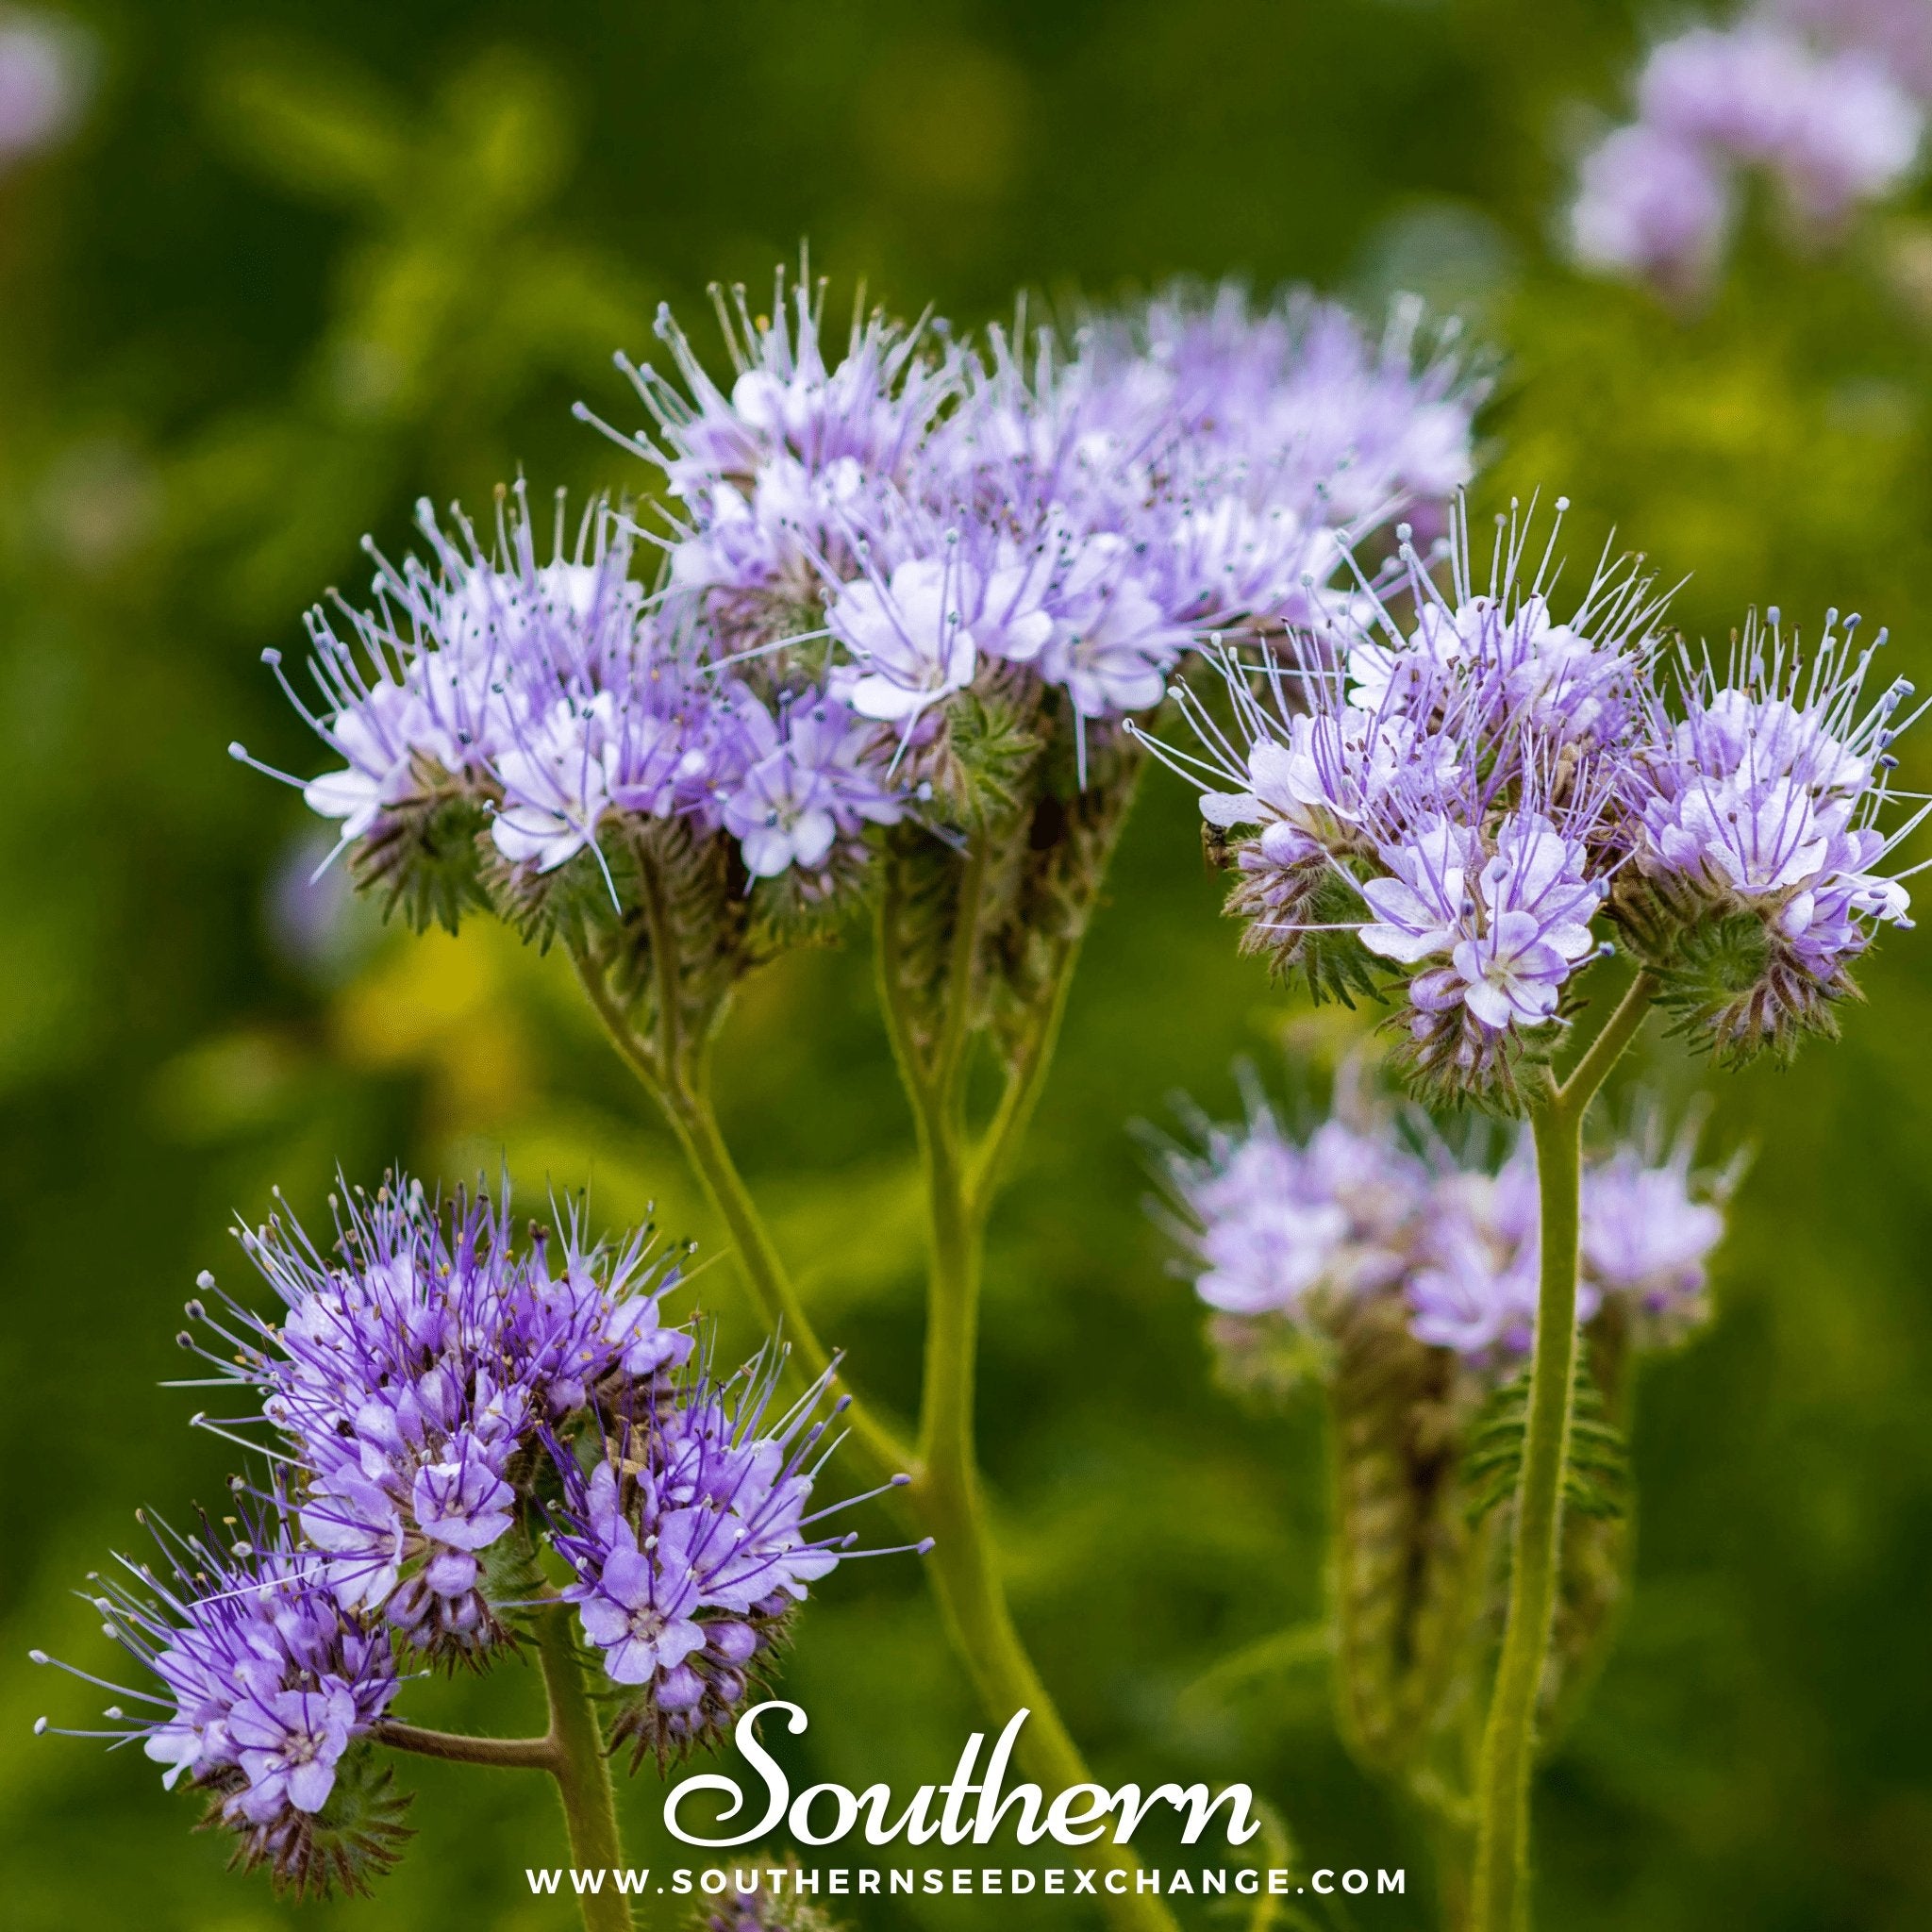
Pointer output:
299, 264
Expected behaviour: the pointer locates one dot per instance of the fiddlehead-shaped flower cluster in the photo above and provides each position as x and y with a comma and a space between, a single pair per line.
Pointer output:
902, 581
268, 1688
438, 1404
1396, 1271
1459, 805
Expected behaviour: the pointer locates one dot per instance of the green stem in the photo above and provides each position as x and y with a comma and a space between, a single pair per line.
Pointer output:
582, 1770
1449, 1846
1501, 1882
964, 1565
686, 1105
508, 1754
1606, 1049
945, 1487
696, 1125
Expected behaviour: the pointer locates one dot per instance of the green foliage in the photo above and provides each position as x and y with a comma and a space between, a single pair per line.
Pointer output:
1597, 1470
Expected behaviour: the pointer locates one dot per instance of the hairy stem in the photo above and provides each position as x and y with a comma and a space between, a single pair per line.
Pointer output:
1608, 1048
510, 1753
1026, 1080
945, 1487
1502, 1876
686, 1105
582, 1770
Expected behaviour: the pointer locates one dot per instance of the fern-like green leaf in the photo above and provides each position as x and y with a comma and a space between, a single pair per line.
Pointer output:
1597, 1478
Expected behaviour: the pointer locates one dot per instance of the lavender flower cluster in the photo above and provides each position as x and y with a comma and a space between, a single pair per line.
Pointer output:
763, 1899
692, 1546
264, 1682
413, 1370
1376, 1203
862, 555
1454, 799
1825, 98
435, 1399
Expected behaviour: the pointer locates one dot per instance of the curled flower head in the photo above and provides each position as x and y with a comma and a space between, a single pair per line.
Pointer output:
1429, 799
873, 408
1762, 816
806, 779
1176, 465
267, 1683
1459, 802
447, 1413
904, 581
1299, 1232
693, 1542
417, 1366
458, 660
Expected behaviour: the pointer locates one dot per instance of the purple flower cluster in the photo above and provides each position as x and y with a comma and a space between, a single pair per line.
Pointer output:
1463, 796
1073, 512
1434, 792
560, 698
436, 1395
266, 1678
1827, 100
415, 1364
1754, 819
851, 542
692, 1543
45, 67
1372, 1203
763, 1899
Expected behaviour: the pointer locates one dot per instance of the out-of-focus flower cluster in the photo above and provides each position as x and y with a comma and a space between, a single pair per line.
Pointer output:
1463, 793
1299, 1232
437, 1400
763, 1898
45, 63
1396, 1271
1826, 98
893, 574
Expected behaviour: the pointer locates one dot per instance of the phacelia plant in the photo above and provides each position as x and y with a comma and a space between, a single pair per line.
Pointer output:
874, 641
1460, 802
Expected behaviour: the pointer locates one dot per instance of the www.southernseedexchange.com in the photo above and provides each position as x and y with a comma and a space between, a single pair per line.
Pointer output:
974, 1881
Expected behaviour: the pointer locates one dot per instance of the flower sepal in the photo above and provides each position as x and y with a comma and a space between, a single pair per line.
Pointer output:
423, 858
1732, 988
352, 1839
